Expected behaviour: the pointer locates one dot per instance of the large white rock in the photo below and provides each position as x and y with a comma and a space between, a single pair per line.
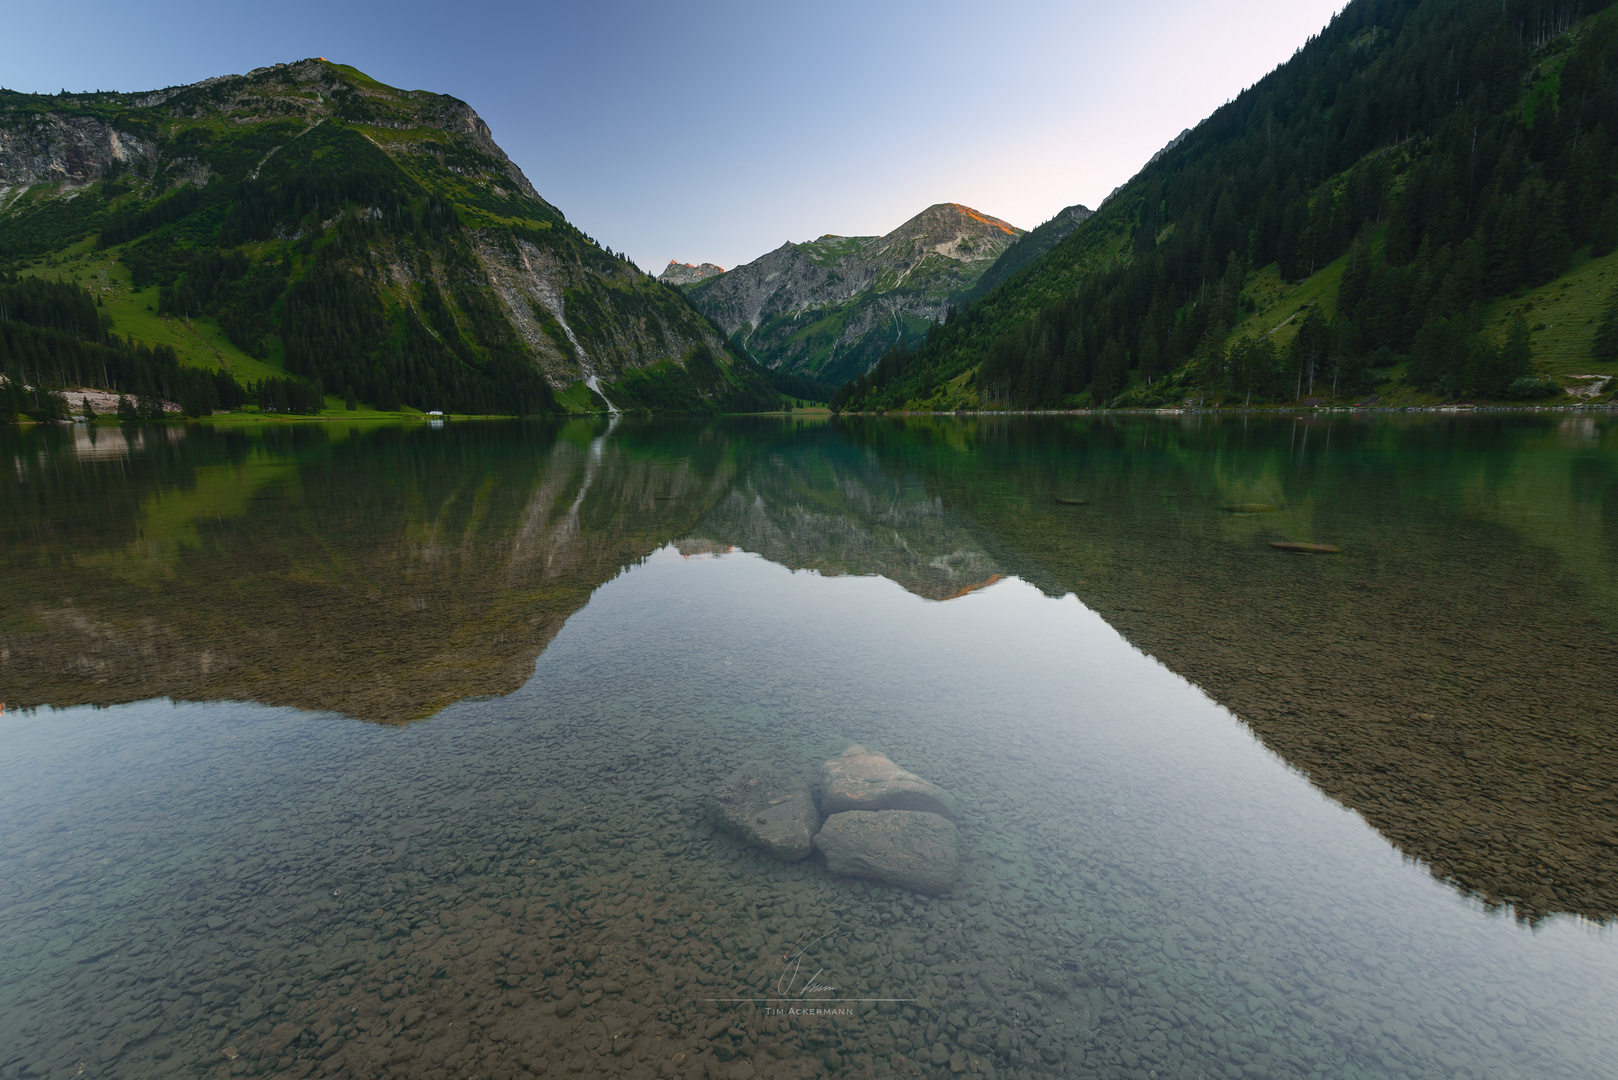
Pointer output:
863, 780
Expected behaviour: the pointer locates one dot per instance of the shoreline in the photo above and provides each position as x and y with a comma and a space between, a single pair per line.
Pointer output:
225, 419
1284, 410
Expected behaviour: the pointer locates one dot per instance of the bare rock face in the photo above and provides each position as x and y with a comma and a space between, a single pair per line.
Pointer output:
75, 149
679, 273
909, 848
863, 780
768, 807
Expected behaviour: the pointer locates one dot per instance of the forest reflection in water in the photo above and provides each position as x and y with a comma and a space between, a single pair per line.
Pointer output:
1444, 675
527, 886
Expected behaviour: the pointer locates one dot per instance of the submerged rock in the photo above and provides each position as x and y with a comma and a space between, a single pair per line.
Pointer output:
862, 780
911, 848
769, 808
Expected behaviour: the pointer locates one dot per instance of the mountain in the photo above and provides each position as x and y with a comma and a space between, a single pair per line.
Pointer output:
679, 273
305, 221
1030, 246
826, 309
1421, 205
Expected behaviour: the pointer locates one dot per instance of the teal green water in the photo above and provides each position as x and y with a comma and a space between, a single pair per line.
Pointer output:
384, 752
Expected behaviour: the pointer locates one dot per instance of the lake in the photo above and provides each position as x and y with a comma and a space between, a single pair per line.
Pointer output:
386, 751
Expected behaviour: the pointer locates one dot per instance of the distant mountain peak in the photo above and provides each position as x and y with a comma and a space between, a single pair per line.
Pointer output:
679, 273
829, 307
984, 219
953, 231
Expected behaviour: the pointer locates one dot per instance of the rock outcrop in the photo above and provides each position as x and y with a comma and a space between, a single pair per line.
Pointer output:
909, 848
769, 808
679, 273
75, 150
863, 780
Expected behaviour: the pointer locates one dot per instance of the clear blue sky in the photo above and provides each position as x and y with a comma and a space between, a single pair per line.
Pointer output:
716, 131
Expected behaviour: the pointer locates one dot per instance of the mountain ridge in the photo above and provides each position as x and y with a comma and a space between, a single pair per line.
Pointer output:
347, 233
1340, 232
1030, 246
829, 306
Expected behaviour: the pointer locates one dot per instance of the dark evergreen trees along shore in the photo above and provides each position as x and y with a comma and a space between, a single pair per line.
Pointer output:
1455, 151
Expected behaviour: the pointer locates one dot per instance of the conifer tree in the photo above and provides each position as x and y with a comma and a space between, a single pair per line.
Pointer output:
1605, 237
1606, 342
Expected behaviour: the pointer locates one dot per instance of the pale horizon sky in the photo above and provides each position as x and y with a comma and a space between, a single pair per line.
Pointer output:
714, 132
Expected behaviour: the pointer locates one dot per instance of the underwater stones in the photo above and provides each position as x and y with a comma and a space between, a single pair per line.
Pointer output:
910, 848
769, 808
863, 780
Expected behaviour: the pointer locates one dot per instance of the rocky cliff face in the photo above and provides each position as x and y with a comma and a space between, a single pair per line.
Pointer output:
679, 273
71, 150
443, 268
830, 307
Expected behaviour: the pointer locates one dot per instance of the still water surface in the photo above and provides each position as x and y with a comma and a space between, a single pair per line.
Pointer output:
384, 752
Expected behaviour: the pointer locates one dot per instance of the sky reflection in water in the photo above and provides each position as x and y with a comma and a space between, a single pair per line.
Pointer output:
1146, 887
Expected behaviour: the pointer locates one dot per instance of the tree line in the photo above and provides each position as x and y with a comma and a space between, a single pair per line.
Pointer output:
51, 338
1402, 138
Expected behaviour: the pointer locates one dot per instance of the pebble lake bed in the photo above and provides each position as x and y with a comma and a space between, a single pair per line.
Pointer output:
529, 881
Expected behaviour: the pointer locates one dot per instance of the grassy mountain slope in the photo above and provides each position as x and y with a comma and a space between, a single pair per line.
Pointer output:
1369, 221
306, 220
828, 308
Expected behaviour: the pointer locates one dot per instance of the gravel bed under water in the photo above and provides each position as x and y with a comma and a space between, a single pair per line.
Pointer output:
527, 885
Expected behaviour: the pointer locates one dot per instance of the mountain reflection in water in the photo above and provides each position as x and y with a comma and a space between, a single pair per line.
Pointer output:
1444, 675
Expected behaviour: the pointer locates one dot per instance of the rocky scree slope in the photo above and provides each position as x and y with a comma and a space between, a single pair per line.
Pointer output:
370, 239
828, 308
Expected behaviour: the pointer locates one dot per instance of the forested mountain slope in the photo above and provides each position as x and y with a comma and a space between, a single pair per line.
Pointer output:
827, 309
1029, 247
305, 221
1418, 203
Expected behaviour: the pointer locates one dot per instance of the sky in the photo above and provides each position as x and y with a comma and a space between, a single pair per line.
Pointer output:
716, 131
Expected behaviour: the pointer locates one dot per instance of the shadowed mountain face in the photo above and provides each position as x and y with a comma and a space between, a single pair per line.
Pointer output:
1030, 246
379, 234
828, 308
1444, 675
